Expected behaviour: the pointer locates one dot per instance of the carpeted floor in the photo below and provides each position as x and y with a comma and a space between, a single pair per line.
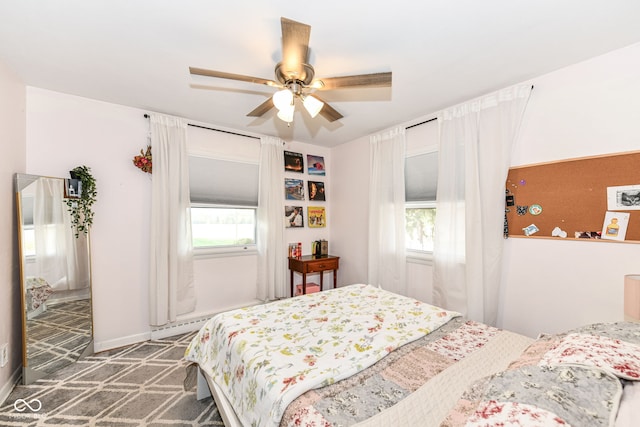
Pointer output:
57, 337
139, 385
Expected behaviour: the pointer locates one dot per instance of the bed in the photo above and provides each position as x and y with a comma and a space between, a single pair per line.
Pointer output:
359, 355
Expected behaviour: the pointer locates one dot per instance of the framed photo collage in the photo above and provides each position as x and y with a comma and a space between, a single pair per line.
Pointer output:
297, 190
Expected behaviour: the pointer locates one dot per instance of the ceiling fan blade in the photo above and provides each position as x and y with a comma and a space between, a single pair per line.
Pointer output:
295, 49
262, 108
231, 76
328, 112
361, 80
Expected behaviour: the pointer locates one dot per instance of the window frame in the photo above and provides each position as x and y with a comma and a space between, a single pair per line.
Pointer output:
200, 252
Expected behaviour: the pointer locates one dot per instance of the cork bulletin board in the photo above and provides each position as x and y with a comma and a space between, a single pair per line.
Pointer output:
574, 195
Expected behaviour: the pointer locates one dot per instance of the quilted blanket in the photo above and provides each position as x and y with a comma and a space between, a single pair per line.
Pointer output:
392, 379
265, 356
569, 379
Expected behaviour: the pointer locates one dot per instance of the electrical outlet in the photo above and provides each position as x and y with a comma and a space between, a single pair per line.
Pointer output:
4, 355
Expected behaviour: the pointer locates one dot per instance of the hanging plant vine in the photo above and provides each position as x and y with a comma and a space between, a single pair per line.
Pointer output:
81, 208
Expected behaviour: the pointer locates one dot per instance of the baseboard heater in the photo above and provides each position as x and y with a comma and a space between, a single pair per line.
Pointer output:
179, 327
183, 326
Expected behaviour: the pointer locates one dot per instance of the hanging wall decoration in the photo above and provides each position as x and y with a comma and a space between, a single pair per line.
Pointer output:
143, 161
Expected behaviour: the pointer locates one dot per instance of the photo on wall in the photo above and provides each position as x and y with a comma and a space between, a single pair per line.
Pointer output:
72, 188
293, 189
293, 216
315, 165
316, 190
316, 216
293, 162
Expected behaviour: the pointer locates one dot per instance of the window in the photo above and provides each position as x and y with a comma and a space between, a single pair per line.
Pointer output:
421, 183
224, 200
421, 179
420, 222
223, 185
214, 226
29, 241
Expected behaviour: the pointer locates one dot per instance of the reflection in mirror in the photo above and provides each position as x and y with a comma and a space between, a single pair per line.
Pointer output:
56, 279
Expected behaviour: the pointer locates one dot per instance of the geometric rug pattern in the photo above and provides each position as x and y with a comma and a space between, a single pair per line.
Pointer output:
137, 385
59, 335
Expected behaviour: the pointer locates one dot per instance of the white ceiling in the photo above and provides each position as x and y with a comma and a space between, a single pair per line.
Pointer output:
441, 52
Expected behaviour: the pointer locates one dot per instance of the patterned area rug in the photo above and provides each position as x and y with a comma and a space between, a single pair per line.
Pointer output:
138, 385
57, 337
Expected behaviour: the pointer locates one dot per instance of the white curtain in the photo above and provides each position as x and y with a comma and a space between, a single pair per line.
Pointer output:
387, 260
272, 257
60, 258
476, 139
171, 291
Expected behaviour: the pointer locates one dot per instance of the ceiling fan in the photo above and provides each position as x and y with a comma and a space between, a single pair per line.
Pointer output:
295, 78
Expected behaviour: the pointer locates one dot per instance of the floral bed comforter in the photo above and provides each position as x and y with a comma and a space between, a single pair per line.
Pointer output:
263, 357
570, 379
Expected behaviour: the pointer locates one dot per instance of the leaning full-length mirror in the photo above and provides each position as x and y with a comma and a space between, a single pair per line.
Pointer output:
56, 279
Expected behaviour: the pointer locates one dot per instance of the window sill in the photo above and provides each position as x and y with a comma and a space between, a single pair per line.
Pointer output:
222, 252
419, 257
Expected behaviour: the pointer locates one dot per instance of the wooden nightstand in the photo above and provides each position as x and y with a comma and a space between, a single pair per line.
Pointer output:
313, 264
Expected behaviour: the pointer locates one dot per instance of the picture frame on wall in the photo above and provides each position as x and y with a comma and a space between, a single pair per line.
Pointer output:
293, 217
315, 165
293, 162
316, 216
293, 189
72, 188
316, 191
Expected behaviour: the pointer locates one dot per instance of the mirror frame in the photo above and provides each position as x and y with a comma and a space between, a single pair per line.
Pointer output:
29, 374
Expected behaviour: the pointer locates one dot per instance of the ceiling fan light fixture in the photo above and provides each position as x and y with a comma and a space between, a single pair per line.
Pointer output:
313, 105
286, 114
283, 99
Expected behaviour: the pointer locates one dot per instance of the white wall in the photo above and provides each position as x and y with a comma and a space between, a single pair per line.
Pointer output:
65, 131
12, 160
587, 109
349, 195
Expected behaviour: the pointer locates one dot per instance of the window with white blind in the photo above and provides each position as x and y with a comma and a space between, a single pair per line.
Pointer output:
421, 184
223, 183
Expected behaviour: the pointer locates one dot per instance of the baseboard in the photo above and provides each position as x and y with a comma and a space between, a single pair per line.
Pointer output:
99, 346
6, 389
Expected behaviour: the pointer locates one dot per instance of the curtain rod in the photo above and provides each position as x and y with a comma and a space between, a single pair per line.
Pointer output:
146, 116
421, 123
435, 118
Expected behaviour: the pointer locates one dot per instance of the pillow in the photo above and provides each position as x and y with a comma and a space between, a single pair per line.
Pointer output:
614, 347
540, 396
625, 331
